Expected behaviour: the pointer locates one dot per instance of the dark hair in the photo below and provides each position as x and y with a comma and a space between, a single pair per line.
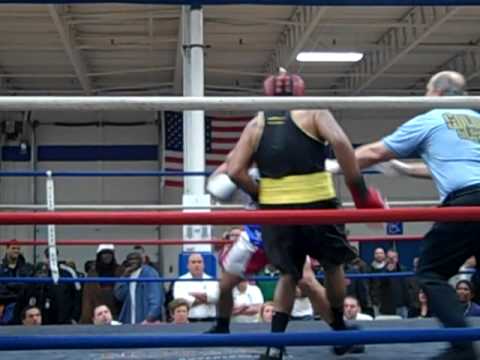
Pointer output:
177, 303
466, 282
23, 314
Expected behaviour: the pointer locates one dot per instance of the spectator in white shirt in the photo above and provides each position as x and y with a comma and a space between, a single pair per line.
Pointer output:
200, 295
352, 310
247, 301
302, 307
103, 316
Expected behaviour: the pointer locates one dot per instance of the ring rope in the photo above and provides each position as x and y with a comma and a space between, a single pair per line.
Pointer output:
384, 336
112, 280
285, 217
167, 242
157, 103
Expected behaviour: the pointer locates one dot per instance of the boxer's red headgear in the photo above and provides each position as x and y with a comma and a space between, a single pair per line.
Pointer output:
284, 84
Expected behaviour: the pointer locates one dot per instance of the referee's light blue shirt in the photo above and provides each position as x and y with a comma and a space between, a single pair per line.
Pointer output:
448, 141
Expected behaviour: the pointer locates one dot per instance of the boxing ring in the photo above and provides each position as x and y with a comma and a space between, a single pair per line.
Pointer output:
385, 340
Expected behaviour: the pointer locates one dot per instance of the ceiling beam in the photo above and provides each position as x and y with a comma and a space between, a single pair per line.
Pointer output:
294, 37
69, 45
396, 43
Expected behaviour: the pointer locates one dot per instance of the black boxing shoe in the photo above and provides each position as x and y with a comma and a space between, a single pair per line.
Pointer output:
272, 354
340, 350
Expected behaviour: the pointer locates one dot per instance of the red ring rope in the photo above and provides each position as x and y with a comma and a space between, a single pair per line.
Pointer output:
196, 242
241, 216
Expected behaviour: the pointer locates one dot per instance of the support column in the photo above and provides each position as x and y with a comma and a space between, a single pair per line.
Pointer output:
194, 125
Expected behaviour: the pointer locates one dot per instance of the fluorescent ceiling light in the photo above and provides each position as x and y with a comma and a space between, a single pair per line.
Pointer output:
329, 56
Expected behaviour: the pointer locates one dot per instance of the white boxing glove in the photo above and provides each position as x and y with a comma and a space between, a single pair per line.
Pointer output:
332, 166
221, 186
254, 174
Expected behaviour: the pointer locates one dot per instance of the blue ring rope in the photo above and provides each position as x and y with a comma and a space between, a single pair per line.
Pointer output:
110, 280
384, 336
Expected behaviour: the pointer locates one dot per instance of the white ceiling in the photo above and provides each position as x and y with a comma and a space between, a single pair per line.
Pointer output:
134, 49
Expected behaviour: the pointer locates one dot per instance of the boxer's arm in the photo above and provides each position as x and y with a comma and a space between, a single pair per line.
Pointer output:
328, 129
240, 159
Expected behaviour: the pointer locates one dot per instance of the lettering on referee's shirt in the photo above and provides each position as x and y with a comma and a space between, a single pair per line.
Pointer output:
466, 126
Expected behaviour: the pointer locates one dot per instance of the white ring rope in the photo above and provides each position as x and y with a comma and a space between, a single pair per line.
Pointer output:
147, 207
154, 103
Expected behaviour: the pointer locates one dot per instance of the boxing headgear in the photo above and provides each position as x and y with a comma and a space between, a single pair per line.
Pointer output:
284, 84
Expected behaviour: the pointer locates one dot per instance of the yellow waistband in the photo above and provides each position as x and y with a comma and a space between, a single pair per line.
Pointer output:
297, 189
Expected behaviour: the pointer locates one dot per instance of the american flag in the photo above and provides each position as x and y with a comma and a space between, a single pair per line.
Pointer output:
221, 134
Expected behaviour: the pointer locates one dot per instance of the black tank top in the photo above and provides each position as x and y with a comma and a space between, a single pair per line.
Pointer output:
285, 149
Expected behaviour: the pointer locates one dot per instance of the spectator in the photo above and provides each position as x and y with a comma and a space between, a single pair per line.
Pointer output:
178, 309
358, 288
103, 316
31, 316
302, 307
465, 272
422, 310
95, 294
379, 259
377, 265
352, 309
145, 258
266, 312
247, 300
464, 290
142, 301
57, 302
394, 297
13, 265
89, 266
69, 294
200, 295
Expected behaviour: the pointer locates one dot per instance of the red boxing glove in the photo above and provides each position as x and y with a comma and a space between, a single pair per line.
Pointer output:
366, 197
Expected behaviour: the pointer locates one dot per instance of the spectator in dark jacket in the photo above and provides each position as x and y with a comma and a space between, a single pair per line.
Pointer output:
12, 265
358, 288
393, 292
95, 294
58, 303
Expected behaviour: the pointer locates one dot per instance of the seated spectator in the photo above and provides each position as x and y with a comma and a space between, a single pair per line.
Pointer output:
358, 288
393, 292
247, 301
142, 301
103, 316
352, 309
12, 265
302, 307
465, 294
377, 265
465, 272
31, 316
178, 309
58, 303
95, 294
379, 260
422, 310
200, 295
266, 312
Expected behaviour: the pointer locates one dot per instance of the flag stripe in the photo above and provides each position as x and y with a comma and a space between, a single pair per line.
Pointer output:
221, 135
